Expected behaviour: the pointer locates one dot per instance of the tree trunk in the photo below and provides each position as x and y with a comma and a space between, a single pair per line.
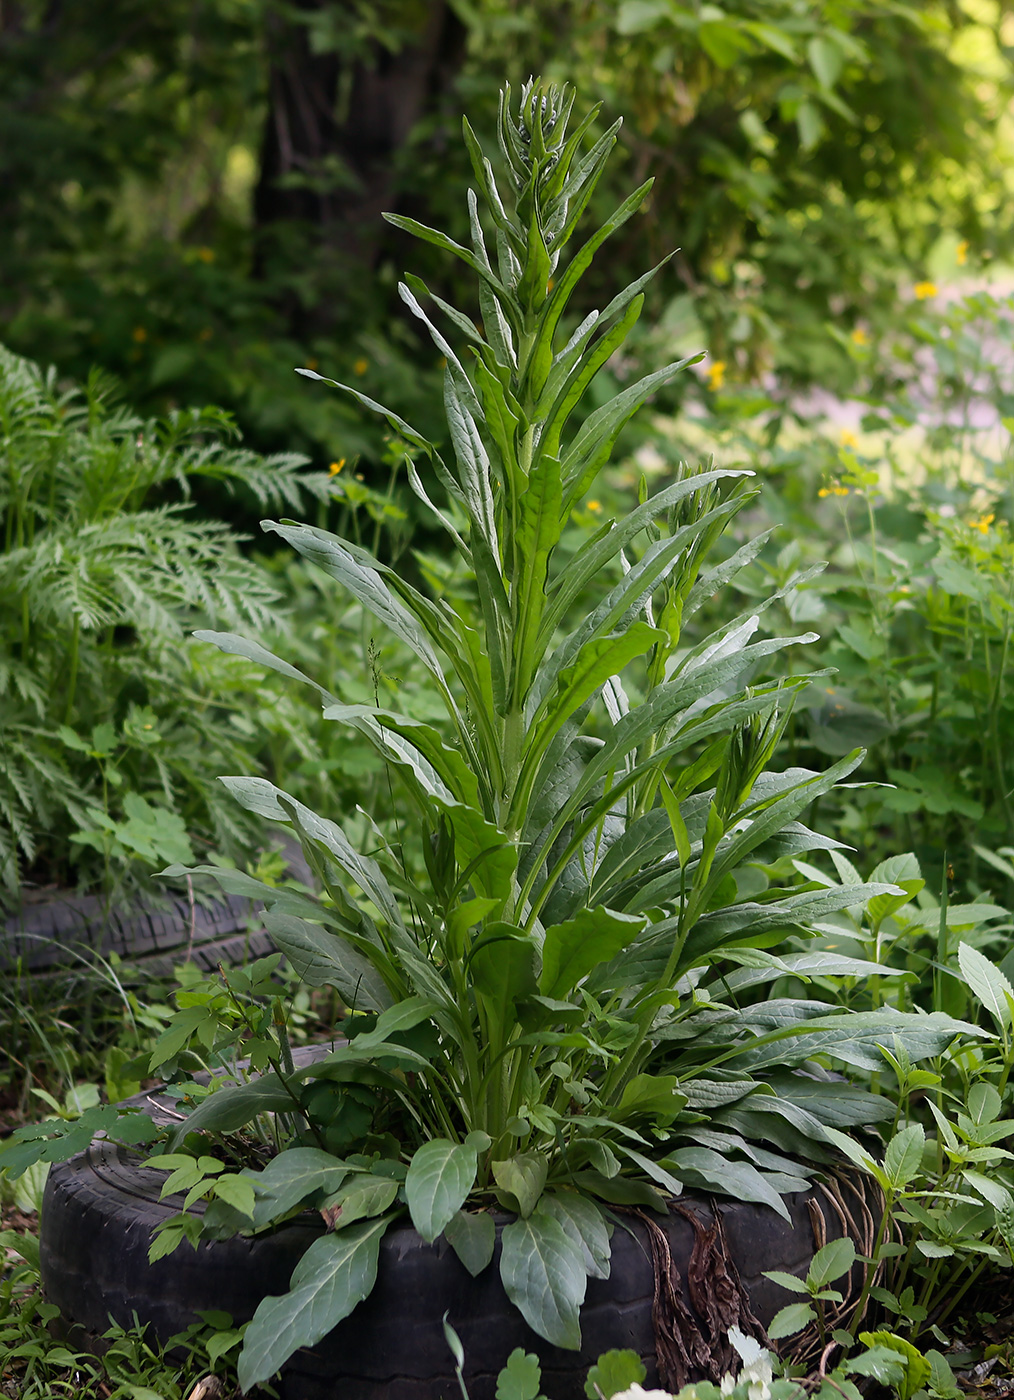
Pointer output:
337, 119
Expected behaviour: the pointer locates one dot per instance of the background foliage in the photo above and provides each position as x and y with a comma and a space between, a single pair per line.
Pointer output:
191, 197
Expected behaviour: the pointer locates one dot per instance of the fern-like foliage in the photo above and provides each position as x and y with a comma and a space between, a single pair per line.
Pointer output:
104, 572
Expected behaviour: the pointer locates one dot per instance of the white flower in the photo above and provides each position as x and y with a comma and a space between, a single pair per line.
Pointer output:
636, 1392
756, 1374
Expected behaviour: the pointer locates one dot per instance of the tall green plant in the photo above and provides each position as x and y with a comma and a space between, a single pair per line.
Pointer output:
595, 815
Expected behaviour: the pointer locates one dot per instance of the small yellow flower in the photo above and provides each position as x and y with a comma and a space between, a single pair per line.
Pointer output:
840, 491
206, 255
847, 438
961, 253
924, 290
336, 467
860, 337
835, 490
716, 374
983, 523
139, 334
361, 366
595, 506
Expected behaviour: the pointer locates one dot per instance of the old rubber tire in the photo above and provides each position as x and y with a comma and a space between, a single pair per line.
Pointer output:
152, 936
101, 1207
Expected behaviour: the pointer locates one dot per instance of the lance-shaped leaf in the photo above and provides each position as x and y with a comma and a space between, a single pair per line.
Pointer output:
538, 366
596, 554
543, 1273
333, 1276
570, 950
597, 661
233, 1107
365, 585
988, 983
399, 425
590, 449
260, 796
703, 1167
324, 959
539, 529
440, 1176
253, 651
440, 240
628, 596
582, 374
437, 765
853, 1037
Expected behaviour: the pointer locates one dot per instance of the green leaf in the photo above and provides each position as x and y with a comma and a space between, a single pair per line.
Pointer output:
233, 1107
472, 1236
399, 425
988, 983
482, 849
253, 651
826, 60
521, 1378
321, 958
831, 1261
333, 1276
363, 582
788, 1281
543, 1275
790, 1320
292, 1177
586, 1225
917, 1368
503, 970
655, 1095
361, 1198
440, 1176
903, 1157
236, 1191
572, 949
524, 1176
597, 662
614, 1372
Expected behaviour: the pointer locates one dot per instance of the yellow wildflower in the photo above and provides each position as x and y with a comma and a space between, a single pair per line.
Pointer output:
847, 438
835, 490
923, 290
860, 337
961, 253
983, 523
206, 255
716, 374
361, 366
594, 506
336, 467
139, 334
